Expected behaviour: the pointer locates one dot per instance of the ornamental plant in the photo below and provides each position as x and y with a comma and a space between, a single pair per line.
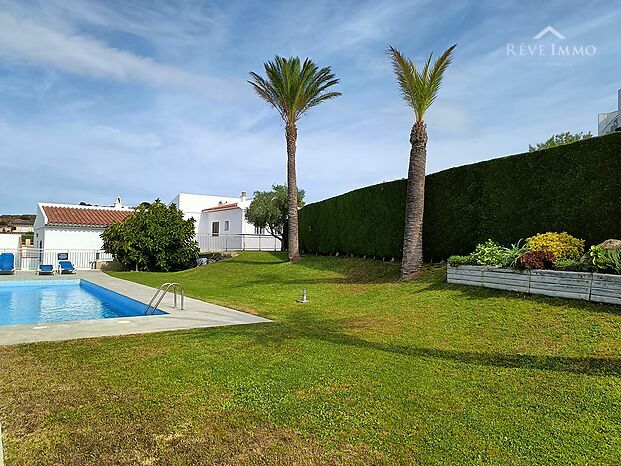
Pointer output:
571, 265
536, 260
561, 245
513, 253
455, 261
605, 259
489, 253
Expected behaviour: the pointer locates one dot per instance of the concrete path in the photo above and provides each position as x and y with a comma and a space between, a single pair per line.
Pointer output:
197, 314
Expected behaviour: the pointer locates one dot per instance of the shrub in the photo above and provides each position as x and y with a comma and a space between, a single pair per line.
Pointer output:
460, 260
506, 198
571, 265
489, 253
536, 260
155, 238
605, 259
562, 245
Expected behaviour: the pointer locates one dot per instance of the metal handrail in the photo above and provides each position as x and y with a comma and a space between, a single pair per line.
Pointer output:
163, 289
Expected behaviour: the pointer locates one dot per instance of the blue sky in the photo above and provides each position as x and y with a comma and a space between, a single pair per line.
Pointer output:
147, 99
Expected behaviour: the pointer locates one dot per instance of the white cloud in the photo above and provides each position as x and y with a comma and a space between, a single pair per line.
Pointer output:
30, 43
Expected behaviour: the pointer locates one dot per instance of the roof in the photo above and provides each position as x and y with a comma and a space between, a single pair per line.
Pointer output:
222, 207
95, 217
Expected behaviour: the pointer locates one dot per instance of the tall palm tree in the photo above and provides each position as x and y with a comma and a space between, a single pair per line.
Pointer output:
292, 87
419, 89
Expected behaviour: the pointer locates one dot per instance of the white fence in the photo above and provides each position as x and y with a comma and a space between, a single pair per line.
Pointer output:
238, 243
31, 258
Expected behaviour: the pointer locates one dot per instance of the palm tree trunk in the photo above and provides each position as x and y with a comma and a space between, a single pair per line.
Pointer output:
412, 264
291, 133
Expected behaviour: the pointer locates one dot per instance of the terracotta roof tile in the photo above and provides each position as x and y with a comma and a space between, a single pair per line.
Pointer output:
221, 207
87, 217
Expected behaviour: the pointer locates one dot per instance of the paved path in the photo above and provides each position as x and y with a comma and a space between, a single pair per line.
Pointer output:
197, 314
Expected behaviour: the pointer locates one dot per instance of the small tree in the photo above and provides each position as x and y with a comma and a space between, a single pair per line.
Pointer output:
156, 238
270, 210
560, 140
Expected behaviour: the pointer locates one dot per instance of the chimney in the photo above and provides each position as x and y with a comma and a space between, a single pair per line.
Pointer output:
244, 196
118, 204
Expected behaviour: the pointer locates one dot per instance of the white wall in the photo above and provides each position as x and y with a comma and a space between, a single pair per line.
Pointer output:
233, 216
192, 205
10, 241
71, 238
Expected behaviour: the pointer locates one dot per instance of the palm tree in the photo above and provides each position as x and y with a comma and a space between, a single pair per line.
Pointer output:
292, 88
419, 89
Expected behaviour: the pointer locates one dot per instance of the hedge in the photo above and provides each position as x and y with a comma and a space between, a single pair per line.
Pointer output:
574, 188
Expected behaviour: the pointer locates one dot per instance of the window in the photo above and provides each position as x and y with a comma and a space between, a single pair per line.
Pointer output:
215, 228
226, 225
259, 231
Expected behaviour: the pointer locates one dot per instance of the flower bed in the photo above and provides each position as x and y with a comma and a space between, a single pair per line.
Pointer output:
551, 264
596, 287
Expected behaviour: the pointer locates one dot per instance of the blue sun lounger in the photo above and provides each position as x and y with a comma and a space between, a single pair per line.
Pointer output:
45, 269
7, 263
65, 267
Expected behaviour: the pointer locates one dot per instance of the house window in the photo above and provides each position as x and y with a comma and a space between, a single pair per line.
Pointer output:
259, 231
215, 228
226, 225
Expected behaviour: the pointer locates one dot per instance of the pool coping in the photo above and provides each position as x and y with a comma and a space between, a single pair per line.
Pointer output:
197, 314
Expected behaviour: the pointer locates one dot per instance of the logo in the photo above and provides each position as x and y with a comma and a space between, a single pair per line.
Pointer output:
550, 47
550, 30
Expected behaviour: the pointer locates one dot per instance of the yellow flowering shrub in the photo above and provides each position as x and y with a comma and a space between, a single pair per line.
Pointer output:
562, 245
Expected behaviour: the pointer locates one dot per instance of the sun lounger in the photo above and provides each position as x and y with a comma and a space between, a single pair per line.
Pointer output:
65, 267
7, 263
46, 269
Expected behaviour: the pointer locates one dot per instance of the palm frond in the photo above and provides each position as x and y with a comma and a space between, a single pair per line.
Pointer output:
419, 88
293, 87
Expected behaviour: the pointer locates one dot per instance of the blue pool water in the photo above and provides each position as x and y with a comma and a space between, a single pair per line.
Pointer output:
38, 301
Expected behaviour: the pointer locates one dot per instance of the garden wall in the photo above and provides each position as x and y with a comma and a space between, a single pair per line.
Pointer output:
574, 188
595, 287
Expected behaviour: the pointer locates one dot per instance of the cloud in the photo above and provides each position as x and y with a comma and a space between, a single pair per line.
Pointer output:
27, 42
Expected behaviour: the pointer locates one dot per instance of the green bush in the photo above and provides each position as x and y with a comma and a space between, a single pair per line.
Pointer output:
605, 259
513, 253
571, 265
455, 261
155, 238
575, 187
489, 253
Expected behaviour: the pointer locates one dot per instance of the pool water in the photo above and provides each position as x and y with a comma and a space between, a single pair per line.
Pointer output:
38, 301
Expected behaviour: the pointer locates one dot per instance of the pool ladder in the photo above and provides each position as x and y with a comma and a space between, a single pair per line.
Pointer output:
161, 292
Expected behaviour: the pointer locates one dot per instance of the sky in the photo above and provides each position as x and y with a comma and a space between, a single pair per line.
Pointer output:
144, 100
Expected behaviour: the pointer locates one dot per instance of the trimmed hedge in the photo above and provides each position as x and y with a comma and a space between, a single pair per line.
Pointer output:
574, 188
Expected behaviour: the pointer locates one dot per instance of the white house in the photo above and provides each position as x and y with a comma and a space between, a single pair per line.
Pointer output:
61, 227
220, 222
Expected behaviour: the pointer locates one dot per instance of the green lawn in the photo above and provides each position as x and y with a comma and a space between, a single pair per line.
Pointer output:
369, 371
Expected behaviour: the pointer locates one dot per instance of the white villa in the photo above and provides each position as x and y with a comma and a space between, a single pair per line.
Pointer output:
76, 227
221, 223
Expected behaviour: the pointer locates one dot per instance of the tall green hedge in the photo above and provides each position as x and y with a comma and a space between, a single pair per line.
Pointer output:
574, 188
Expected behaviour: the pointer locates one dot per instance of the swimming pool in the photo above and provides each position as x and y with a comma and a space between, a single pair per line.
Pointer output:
39, 301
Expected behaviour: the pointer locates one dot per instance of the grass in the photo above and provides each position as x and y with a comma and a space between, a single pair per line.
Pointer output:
370, 371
